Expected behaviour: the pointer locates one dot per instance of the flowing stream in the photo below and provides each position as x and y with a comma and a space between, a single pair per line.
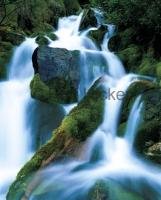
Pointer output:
14, 133
115, 160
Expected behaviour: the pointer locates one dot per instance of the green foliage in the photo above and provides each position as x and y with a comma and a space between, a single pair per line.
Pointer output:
71, 6
158, 69
5, 55
147, 67
42, 40
131, 57
132, 13
141, 16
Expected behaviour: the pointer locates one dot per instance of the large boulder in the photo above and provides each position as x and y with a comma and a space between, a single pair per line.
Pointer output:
57, 74
66, 141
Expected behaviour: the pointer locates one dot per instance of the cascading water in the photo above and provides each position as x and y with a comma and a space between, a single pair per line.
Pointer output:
15, 96
115, 160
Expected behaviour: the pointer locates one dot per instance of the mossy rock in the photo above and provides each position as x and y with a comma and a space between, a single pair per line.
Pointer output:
42, 40
136, 88
52, 36
147, 67
9, 35
57, 90
42, 28
158, 70
122, 40
150, 128
122, 129
57, 75
131, 57
38, 15
77, 126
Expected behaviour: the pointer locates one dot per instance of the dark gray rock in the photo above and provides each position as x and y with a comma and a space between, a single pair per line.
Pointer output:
56, 62
59, 72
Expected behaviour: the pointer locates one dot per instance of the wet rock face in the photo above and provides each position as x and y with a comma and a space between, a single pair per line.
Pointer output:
58, 70
56, 62
149, 131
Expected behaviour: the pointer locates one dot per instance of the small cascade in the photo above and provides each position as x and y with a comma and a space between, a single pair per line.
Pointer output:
15, 96
19, 67
134, 121
91, 57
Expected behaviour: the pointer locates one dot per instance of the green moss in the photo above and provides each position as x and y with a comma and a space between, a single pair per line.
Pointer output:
150, 128
54, 91
76, 127
158, 70
131, 57
42, 40
72, 7
10, 36
39, 89
122, 129
52, 36
147, 67
5, 56
42, 28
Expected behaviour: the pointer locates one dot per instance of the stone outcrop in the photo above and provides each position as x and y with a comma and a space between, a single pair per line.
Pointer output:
57, 74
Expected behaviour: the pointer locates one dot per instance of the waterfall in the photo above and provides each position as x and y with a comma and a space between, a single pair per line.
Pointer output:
15, 96
108, 157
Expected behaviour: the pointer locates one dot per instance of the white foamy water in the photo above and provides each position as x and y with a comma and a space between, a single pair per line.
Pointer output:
14, 98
